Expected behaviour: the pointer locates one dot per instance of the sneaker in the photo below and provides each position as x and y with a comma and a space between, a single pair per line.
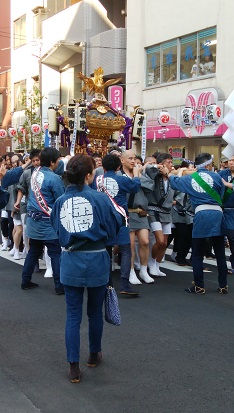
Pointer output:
24, 254
59, 291
143, 274
12, 252
195, 290
94, 359
16, 255
223, 290
29, 285
5, 244
133, 278
74, 374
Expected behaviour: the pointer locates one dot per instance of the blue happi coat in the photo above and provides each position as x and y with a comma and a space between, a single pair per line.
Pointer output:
228, 205
11, 177
79, 216
207, 223
118, 187
51, 187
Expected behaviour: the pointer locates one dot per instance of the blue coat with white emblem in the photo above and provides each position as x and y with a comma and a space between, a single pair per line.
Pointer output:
118, 186
84, 215
207, 223
51, 187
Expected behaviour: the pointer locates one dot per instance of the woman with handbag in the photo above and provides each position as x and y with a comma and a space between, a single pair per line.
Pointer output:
84, 219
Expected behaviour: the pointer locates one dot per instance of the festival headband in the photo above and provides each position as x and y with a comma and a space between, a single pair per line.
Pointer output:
202, 165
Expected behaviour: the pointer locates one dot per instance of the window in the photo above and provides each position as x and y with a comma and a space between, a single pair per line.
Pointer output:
188, 57
18, 89
169, 59
20, 31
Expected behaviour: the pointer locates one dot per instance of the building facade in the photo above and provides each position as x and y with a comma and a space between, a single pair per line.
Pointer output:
5, 76
53, 40
179, 64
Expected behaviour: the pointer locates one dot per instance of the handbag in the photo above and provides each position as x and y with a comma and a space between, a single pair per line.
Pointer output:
112, 313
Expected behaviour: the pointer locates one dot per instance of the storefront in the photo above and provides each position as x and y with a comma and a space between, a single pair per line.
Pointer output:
184, 131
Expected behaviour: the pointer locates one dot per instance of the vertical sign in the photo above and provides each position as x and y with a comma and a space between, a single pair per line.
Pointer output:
115, 96
143, 140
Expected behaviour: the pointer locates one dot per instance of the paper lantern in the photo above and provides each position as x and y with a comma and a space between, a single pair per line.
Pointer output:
3, 133
213, 113
187, 116
12, 132
163, 118
138, 125
36, 129
52, 119
21, 130
45, 126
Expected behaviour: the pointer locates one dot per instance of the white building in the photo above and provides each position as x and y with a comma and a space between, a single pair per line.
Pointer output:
53, 40
167, 45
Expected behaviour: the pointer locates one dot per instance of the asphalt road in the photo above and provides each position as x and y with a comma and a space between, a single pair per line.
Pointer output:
173, 352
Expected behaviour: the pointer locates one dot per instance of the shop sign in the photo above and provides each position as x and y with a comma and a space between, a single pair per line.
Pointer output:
115, 96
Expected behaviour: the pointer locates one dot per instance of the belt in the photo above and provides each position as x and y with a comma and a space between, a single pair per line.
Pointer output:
207, 207
37, 215
137, 210
87, 246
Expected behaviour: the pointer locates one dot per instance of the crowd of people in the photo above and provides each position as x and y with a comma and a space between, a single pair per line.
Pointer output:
88, 215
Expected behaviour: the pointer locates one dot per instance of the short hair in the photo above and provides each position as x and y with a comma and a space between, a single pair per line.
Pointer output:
111, 162
161, 157
78, 167
202, 157
96, 155
115, 149
155, 154
185, 163
140, 158
34, 153
49, 155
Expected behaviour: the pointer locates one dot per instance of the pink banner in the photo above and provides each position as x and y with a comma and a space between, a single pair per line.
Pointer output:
115, 96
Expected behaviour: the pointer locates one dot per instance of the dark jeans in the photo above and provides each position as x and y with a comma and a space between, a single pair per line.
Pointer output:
198, 245
183, 238
74, 301
35, 251
7, 226
125, 264
230, 237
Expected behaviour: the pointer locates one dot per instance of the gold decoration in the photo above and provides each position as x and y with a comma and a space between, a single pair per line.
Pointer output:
96, 84
102, 109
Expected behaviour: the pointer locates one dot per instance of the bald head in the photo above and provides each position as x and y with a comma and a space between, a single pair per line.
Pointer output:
128, 159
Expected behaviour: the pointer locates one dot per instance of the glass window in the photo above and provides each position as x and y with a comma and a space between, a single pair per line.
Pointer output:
169, 59
19, 87
153, 66
207, 46
20, 31
182, 59
188, 57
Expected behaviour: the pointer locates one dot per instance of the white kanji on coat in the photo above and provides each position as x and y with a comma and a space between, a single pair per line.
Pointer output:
76, 215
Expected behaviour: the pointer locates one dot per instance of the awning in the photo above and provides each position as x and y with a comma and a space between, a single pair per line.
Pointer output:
60, 53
